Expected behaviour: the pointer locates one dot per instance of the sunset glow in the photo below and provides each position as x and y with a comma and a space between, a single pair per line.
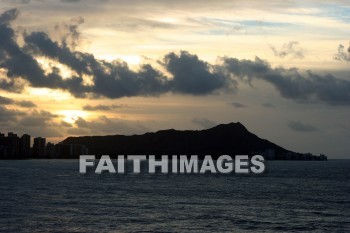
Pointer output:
151, 65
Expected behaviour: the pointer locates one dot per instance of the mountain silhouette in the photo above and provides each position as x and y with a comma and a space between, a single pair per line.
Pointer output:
225, 139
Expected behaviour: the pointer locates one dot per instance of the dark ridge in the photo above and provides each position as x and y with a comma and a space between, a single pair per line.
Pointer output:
229, 139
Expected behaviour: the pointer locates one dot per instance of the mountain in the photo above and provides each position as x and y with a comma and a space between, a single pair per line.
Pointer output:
229, 139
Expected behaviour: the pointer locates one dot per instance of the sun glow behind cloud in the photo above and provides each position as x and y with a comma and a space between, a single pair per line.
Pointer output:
70, 116
49, 64
130, 59
46, 93
143, 33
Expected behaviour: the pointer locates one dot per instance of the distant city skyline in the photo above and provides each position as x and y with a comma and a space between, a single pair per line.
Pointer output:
188, 143
14, 147
91, 67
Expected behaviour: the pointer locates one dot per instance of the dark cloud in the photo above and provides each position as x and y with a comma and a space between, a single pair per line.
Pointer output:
204, 122
238, 105
112, 80
38, 119
39, 131
289, 49
20, 64
5, 100
189, 74
65, 124
39, 43
33, 121
9, 115
102, 107
343, 53
115, 79
290, 83
8, 16
301, 127
17, 63
26, 104
268, 105
81, 123
194, 76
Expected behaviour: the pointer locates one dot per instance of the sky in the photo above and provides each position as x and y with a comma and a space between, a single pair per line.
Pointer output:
103, 67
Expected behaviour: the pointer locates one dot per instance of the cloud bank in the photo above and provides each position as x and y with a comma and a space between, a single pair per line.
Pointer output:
185, 73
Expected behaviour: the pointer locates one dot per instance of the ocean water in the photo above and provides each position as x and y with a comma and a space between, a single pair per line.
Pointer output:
295, 196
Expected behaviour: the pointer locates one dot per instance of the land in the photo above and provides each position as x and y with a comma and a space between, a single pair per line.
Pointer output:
224, 139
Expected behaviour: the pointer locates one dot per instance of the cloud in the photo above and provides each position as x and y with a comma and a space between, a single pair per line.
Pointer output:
105, 125
23, 103
189, 75
8, 16
301, 127
115, 80
5, 100
38, 119
268, 105
238, 105
69, 33
35, 122
65, 124
39, 131
20, 64
9, 115
203, 122
102, 107
26, 104
77, 131
290, 83
194, 76
131, 23
289, 49
112, 80
345, 129
343, 54
70, 1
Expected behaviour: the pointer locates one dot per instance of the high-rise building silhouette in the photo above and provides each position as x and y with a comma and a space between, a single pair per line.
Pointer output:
39, 147
50, 150
12, 144
25, 146
2, 146
14, 147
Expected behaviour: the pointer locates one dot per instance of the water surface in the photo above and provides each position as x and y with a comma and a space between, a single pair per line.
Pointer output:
296, 196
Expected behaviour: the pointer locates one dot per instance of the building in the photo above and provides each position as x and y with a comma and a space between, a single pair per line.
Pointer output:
39, 147
24, 145
50, 150
12, 146
2, 146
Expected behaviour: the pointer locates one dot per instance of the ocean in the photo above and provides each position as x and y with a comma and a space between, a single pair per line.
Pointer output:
291, 196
